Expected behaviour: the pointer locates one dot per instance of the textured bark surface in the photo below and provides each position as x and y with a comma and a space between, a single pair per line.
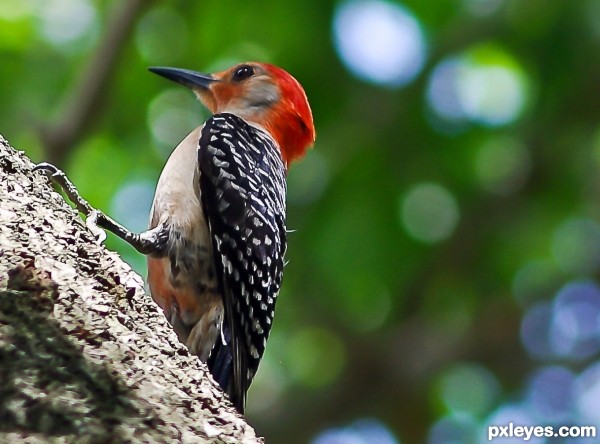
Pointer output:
85, 355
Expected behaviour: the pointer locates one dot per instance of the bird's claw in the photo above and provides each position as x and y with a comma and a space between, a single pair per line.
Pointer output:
47, 168
91, 222
58, 177
151, 242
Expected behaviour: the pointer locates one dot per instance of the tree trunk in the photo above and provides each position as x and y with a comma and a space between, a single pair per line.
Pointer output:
85, 355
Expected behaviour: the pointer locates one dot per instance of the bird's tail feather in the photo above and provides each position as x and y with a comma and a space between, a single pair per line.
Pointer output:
220, 361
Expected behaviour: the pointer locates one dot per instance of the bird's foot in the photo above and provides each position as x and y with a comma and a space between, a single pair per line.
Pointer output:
149, 242
57, 176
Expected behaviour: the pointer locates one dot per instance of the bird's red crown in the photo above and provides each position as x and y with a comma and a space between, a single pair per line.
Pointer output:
291, 120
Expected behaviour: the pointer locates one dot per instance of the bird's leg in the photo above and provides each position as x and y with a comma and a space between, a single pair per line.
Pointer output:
148, 242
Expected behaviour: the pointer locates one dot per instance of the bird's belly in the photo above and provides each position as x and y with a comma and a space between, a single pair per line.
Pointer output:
183, 284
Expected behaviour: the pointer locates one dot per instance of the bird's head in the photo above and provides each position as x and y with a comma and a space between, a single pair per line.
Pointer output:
260, 93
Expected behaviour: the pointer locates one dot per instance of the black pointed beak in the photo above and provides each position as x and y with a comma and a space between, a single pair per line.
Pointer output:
186, 77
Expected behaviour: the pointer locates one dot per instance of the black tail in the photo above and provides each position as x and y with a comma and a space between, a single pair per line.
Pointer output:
220, 364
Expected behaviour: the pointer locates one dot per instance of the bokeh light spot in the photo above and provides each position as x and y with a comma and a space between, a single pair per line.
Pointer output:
576, 320
490, 94
171, 116
442, 91
576, 246
568, 327
64, 21
429, 212
587, 393
363, 431
551, 394
506, 414
308, 350
468, 388
454, 429
379, 41
483, 85
131, 204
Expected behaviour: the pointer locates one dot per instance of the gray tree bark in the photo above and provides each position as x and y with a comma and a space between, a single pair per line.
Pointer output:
85, 355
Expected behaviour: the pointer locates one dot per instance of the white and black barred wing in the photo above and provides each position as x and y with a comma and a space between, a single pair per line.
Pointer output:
242, 183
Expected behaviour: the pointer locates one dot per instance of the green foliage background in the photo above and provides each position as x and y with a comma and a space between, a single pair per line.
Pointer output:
372, 322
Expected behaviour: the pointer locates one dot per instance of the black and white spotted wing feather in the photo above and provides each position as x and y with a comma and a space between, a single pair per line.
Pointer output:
242, 182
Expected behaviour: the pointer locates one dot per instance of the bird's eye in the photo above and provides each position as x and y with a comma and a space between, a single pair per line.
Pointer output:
243, 72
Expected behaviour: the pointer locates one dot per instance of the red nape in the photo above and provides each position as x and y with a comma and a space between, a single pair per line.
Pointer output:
291, 121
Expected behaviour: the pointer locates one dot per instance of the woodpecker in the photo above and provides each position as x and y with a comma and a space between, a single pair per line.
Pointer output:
217, 236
